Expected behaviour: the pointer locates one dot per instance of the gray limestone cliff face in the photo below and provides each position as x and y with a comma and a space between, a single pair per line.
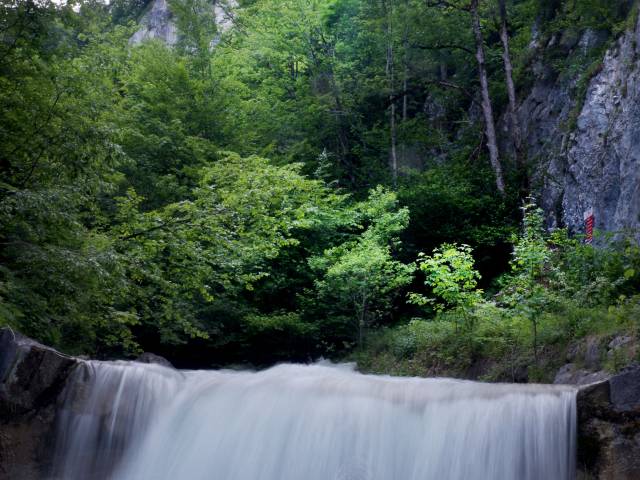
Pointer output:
597, 164
158, 23
603, 160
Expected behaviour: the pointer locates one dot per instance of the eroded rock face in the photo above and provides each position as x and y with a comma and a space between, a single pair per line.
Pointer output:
603, 161
158, 23
594, 164
609, 428
32, 377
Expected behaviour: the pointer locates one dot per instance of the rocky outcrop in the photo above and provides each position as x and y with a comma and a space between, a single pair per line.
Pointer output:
609, 428
148, 357
603, 159
571, 374
542, 115
32, 377
587, 150
158, 23
591, 359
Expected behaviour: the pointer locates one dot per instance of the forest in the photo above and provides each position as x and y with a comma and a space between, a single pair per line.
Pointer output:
342, 179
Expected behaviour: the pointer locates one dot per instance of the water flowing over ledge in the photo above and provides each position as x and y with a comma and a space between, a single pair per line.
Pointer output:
39, 385
132, 421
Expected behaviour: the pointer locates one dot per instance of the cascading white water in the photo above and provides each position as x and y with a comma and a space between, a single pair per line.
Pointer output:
318, 422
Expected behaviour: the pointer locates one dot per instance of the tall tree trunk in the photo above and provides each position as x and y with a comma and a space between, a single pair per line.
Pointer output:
404, 96
362, 316
405, 76
487, 110
511, 88
444, 74
390, 71
394, 140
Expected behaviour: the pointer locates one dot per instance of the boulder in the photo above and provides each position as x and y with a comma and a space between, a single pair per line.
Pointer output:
570, 374
609, 427
148, 357
592, 354
32, 377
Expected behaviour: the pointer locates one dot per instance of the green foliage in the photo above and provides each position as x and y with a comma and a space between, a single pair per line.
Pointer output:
559, 292
596, 14
526, 290
450, 274
360, 275
188, 254
60, 275
448, 204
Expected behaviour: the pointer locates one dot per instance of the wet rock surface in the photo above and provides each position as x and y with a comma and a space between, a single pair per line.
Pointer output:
32, 377
571, 374
609, 427
148, 357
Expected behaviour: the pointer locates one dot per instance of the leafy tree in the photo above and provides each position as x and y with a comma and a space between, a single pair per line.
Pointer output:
60, 275
126, 222
527, 290
187, 256
450, 273
361, 275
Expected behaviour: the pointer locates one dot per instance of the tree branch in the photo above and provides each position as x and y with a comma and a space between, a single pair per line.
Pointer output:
154, 228
445, 3
445, 46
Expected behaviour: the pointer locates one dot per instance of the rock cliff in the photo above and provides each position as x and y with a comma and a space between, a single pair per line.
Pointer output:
158, 22
586, 144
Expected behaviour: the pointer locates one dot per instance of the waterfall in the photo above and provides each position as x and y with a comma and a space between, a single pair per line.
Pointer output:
131, 421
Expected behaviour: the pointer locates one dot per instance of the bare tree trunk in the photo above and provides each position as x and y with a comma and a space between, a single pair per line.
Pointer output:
405, 46
390, 71
362, 316
535, 340
508, 71
487, 110
404, 95
394, 140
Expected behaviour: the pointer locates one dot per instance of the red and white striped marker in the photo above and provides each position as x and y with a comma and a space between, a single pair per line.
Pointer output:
589, 222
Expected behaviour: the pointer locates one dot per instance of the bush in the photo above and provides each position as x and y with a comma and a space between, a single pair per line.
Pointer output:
559, 292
